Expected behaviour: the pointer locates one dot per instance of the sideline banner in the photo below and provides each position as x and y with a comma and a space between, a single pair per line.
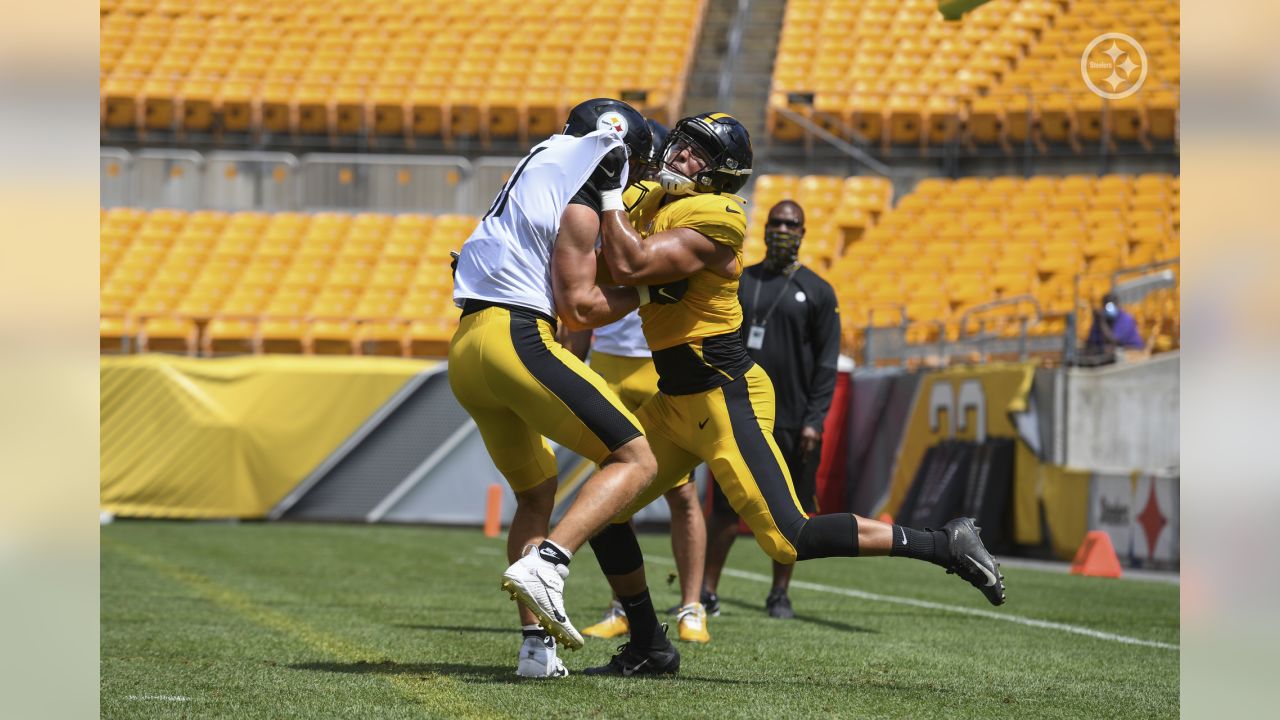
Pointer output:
962, 403
229, 437
1140, 513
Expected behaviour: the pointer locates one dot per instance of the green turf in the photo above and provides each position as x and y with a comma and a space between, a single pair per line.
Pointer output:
283, 621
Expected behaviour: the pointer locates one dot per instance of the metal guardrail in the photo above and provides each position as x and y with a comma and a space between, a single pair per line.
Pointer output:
166, 178
250, 181
891, 341
275, 181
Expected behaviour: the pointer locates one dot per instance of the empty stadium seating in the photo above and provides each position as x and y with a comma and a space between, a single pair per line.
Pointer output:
215, 283
322, 283
458, 70
896, 73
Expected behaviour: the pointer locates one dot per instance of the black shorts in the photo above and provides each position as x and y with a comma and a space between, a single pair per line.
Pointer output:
803, 470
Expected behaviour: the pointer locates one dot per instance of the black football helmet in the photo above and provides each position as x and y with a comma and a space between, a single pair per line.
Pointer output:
721, 142
602, 113
660, 133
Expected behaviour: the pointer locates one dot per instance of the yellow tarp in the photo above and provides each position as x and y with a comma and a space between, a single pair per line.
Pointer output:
961, 403
215, 438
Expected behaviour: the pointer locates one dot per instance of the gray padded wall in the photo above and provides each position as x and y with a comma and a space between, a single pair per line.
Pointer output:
385, 457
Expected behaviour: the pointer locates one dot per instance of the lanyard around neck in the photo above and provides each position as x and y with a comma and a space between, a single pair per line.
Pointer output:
755, 298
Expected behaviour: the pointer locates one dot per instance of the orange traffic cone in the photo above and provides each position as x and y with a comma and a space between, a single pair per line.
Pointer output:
1096, 556
493, 511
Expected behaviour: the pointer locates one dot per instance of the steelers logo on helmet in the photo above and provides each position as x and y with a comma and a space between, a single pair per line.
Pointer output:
612, 121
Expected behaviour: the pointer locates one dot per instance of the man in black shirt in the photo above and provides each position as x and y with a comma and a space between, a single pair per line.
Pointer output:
791, 327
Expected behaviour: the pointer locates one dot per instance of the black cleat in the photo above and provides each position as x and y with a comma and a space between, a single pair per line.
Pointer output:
971, 561
711, 602
778, 605
631, 660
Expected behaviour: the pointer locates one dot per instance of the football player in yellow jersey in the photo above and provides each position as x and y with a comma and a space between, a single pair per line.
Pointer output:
714, 404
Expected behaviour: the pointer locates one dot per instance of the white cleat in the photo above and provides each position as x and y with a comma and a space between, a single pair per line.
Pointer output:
538, 659
539, 586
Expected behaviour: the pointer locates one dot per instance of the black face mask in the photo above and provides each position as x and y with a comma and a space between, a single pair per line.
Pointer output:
782, 248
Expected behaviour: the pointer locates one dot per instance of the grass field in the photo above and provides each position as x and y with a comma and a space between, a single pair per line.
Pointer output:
291, 621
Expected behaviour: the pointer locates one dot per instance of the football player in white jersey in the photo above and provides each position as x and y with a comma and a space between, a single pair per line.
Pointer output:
532, 258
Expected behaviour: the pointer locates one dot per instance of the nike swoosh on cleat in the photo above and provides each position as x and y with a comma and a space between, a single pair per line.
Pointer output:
703, 423
991, 579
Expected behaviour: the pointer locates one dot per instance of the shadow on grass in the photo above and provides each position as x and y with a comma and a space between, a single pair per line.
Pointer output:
758, 610
459, 628
504, 674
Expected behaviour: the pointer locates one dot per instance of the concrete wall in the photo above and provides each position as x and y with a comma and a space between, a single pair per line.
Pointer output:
1124, 417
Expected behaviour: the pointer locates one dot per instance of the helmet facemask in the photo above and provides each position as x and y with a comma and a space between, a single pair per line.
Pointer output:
675, 182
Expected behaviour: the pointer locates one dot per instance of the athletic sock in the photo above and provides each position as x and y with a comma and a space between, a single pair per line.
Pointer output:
643, 621
553, 553
534, 630
928, 545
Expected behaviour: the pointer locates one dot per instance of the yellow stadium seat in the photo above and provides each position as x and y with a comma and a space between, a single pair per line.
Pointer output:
285, 336
196, 100
426, 112
115, 334
501, 113
1128, 119
1057, 118
309, 110
463, 113
167, 334
385, 338
120, 102
1162, 114
235, 105
225, 336
430, 338
1088, 112
348, 110
332, 337
273, 106
389, 111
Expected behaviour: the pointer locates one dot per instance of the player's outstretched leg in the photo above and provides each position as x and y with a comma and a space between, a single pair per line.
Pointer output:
648, 651
955, 547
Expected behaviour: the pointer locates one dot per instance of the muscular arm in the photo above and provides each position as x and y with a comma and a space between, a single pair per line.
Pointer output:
580, 302
669, 255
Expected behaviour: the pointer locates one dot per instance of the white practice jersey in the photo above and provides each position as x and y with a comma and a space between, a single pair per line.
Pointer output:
622, 337
507, 259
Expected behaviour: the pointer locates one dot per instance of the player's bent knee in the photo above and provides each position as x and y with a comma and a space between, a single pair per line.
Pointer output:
827, 536
635, 452
539, 498
617, 550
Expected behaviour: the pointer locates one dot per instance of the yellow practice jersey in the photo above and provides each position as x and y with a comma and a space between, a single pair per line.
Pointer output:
702, 329
710, 306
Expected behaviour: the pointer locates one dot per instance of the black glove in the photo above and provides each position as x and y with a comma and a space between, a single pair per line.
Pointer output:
608, 174
668, 293
453, 264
